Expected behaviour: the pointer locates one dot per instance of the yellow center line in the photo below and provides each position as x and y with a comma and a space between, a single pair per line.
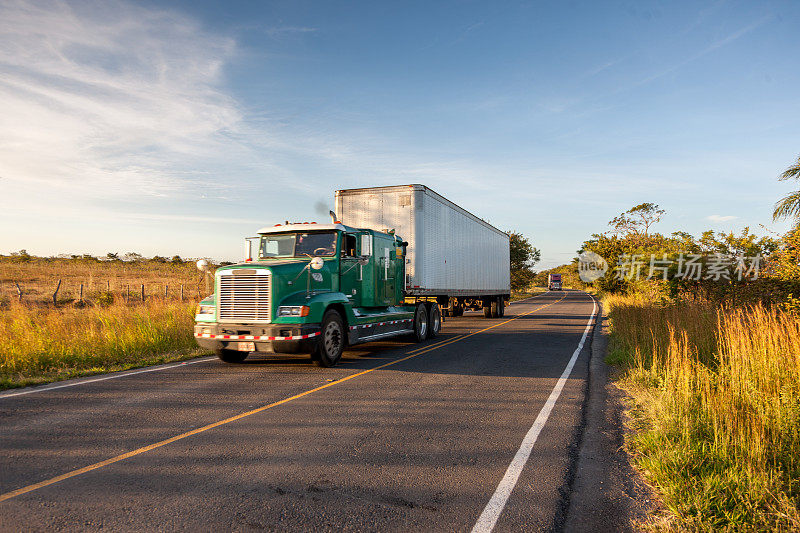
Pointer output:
138, 451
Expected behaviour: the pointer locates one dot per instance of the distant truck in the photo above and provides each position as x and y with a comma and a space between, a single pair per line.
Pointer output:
316, 288
554, 282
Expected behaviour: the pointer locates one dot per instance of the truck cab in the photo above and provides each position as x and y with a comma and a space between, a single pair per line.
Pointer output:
312, 288
554, 282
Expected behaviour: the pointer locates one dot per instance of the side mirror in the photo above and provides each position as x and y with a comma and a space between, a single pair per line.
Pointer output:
366, 245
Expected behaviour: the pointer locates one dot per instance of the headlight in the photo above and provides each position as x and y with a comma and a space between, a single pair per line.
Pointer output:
205, 309
293, 310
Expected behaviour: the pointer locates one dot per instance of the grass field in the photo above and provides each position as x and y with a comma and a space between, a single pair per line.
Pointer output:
716, 410
39, 345
106, 331
102, 280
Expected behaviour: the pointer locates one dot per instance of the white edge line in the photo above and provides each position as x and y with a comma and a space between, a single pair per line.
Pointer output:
113, 376
497, 503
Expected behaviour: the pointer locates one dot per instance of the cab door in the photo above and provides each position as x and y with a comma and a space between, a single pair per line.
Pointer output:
350, 277
385, 275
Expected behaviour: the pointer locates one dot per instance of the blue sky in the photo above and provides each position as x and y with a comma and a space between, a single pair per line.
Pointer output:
182, 127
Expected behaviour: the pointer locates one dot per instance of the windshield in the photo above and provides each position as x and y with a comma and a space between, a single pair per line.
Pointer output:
297, 245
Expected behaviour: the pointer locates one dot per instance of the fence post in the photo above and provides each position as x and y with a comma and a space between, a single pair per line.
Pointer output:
55, 294
142, 291
108, 285
166, 291
81, 294
19, 291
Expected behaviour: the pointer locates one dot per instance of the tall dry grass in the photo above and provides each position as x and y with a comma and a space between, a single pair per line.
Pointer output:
717, 409
44, 344
39, 276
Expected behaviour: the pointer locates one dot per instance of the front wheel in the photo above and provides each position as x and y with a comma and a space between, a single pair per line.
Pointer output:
420, 323
331, 340
434, 321
231, 356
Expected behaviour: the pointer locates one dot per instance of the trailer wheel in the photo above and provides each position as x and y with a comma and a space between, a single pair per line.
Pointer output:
487, 311
420, 323
231, 356
331, 340
434, 321
494, 307
501, 306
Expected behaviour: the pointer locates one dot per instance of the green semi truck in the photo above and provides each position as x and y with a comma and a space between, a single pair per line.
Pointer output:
317, 288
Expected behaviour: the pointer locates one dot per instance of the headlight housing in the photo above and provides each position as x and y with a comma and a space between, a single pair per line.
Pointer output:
293, 310
203, 309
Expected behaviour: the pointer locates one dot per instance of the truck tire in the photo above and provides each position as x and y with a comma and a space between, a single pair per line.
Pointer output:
487, 311
434, 321
331, 340
420, 323
231, 356
501, 306
494, 307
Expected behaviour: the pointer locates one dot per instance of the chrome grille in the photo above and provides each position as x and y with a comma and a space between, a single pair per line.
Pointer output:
245, 298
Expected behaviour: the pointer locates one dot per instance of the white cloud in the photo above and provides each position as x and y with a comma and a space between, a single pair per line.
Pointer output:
718, 219
107, 99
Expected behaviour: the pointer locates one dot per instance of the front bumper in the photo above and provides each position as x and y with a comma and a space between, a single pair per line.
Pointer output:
274, 337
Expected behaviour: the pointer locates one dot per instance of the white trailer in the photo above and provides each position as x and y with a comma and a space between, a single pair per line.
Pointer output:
453, 256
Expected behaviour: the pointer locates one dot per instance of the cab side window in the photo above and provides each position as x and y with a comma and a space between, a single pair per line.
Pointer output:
349, 245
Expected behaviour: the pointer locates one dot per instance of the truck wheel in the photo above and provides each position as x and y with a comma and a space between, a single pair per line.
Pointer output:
501, 306
231, 356
494, 308
331, 340
420, 323
487, 311
434, 321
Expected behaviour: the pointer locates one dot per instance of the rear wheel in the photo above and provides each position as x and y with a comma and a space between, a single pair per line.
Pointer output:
231, 356
434, 321
331, 340
495, 307
487, 311
501, 306
420, 323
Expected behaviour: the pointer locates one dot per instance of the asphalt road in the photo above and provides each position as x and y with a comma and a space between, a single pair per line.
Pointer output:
397, 437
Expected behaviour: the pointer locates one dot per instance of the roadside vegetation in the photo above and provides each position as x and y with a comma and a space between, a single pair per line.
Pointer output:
711, 365
716, 409
524, 257
109, 328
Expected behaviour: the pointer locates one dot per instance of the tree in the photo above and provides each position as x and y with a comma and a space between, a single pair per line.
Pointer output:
176, 260
523, 256
111, 256
785, 262
22, 256
637, 220
789, 206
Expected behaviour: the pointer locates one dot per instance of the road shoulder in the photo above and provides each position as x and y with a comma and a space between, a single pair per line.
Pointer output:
607, 493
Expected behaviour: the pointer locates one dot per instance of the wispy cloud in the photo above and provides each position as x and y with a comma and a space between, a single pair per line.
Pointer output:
108, 98
278, 32
718, 219
728, 39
